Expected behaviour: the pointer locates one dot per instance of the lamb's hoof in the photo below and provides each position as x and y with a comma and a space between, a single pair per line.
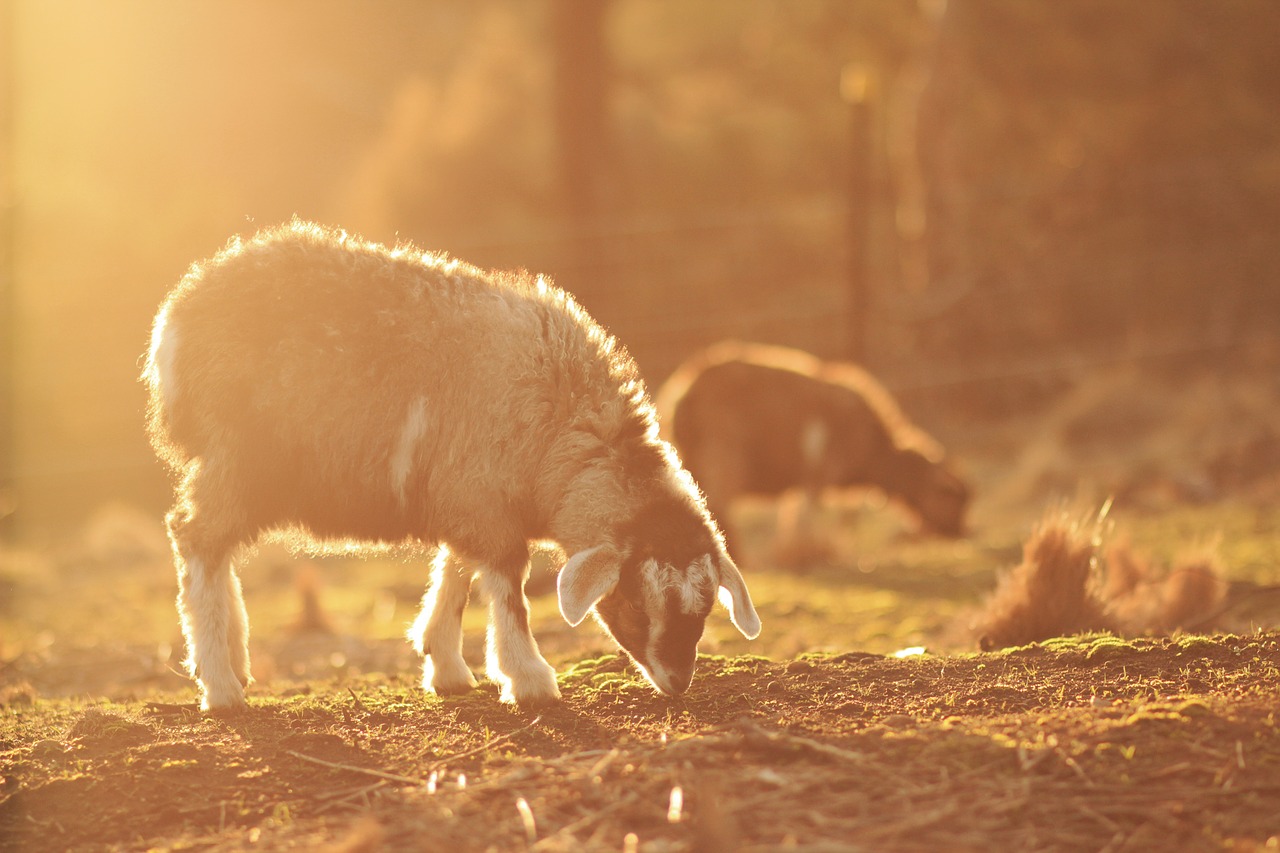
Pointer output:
450, 689
540, 694
533, 703
225, 707
447, 678
531, 684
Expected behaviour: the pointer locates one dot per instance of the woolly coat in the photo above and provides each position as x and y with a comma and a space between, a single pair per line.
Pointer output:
362, 392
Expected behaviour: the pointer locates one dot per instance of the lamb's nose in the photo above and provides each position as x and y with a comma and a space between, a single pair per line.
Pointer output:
672, 682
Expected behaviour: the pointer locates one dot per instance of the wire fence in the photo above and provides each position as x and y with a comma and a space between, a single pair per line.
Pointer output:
665, 299
669, 285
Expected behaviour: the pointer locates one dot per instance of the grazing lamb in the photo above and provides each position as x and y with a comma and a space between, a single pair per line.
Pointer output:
756, 419
308, 381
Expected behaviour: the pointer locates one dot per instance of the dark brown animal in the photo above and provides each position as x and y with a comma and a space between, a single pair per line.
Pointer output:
756, 419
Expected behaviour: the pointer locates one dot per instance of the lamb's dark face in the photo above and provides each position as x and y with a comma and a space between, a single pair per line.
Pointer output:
657, 613
652, 586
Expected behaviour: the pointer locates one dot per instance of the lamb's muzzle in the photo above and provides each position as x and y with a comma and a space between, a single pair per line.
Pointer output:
307, 381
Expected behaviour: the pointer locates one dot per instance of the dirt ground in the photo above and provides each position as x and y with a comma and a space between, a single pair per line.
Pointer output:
1092, 744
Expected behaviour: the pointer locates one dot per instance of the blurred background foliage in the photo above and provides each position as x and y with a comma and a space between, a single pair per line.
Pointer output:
1047, 189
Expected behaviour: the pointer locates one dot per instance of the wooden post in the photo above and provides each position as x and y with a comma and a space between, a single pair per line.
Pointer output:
580, 83
8, 269
855, 86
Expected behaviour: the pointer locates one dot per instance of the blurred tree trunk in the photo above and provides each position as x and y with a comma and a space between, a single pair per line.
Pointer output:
860, 199
8, 264
581, 96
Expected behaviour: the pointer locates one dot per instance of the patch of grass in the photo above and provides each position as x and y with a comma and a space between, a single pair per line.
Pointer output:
1104, 648
1195, 643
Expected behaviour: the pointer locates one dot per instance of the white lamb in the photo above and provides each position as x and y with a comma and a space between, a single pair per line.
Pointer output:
308, 381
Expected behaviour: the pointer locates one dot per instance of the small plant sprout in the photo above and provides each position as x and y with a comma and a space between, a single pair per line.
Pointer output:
526, 818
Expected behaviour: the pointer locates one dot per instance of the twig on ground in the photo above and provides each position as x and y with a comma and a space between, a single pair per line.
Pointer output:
410, 780
489, 744
755, 736
348, 793
1106, 822
391, 777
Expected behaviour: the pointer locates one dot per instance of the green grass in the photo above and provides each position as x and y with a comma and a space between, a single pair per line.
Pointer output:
885, 589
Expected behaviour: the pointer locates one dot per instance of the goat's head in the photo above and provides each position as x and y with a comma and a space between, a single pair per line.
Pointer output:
939, 496
653, 588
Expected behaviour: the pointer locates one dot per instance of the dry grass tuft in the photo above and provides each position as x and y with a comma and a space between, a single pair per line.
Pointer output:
1051, 592
1146, 598
1062, 587
1192, 592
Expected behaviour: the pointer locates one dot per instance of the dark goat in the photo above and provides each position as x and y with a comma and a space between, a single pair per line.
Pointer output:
756, 419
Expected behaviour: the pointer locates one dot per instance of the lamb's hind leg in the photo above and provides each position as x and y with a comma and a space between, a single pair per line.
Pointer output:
513, 658
210, 603
437, 632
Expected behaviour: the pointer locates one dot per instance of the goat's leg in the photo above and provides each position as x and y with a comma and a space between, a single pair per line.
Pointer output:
210, 603
512, 656
437, 632
798, 543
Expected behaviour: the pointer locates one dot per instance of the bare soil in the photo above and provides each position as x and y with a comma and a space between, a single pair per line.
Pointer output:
1090, 744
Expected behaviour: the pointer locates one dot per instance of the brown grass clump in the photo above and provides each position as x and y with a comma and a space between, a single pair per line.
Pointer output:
1062, 587
1146, 598
1050, 593
1192, 592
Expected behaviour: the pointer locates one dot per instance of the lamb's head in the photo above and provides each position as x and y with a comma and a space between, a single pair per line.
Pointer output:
653, 587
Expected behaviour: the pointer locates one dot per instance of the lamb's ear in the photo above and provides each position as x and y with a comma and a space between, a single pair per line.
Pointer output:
734, 595
585, 579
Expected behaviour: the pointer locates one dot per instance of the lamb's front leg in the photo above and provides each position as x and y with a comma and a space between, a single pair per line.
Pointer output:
798, 543
437, 632
216, 629
210, 603
513, 659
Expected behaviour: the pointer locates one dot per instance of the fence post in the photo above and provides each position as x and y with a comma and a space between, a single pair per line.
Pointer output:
580, 91
8, 271
855, 87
